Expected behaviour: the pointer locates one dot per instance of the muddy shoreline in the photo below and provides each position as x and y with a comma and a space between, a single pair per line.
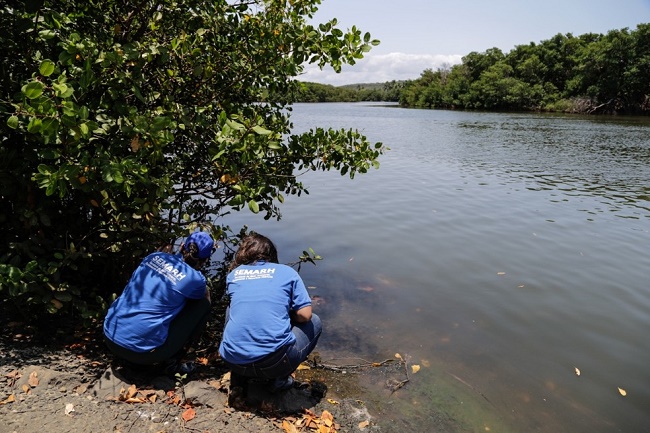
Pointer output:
66, 380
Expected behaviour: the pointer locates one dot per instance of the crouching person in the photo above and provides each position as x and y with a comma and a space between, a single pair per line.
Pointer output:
270, 328
163, 307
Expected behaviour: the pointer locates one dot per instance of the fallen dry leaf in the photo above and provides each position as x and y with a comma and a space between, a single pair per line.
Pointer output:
501, 273
304, 366
14, 375
174, 399
364, 424
327, 418
577, 371
135, 400
331, 401
398, 356
33, 379
202, 361
288, 427
188, 415
622, 392
415, 368
266, 406
425, 363
9, 399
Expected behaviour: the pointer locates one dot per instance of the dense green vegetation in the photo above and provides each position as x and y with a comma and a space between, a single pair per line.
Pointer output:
315, 92
127, 125
591, 73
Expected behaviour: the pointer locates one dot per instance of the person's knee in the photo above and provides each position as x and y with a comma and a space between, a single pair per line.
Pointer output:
317, 324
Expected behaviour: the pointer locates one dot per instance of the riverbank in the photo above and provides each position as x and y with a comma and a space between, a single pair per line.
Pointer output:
68, 382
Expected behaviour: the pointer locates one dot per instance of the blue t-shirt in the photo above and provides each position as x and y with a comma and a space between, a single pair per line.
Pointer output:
139, 318
261, 296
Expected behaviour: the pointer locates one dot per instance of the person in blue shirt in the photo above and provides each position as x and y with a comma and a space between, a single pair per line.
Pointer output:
164, 305
270, 328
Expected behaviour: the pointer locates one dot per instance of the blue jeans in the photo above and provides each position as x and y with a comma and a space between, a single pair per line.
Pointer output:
285, 360
187, 326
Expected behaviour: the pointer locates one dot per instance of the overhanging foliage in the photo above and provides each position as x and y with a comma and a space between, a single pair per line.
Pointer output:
128, 124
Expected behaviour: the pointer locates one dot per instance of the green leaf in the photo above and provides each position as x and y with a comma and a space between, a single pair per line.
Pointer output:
12, 122
33, 89
59, 89
47, 34
234, 125
261, 131
47, 68
63, 296
253, 206
34, 125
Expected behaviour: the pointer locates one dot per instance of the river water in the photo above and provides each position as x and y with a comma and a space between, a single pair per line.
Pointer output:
507, 255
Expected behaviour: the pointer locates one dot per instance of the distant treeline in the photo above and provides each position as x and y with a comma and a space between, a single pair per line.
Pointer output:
315, 92
591, 73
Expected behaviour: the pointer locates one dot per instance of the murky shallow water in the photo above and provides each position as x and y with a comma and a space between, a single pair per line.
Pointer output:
499, 252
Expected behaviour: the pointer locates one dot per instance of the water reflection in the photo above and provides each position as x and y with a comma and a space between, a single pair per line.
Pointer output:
571, 155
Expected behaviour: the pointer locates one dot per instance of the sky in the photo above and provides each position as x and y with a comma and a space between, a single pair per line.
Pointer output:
420, 34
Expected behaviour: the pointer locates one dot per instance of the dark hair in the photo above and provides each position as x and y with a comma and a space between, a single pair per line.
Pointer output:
190, 254
255, 247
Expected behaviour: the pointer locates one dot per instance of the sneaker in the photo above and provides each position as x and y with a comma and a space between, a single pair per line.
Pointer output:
282, 384
174, 366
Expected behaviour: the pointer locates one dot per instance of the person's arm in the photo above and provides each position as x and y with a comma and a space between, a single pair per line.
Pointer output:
302, 315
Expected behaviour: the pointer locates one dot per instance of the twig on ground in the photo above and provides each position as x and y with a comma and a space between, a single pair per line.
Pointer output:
394, 384
365, 364
469, 386
136, 418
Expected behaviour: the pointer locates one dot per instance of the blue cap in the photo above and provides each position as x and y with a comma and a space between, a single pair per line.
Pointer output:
203, 242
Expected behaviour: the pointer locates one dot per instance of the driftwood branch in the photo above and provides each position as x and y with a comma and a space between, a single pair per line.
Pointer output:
345, 367
392, 384
598, 107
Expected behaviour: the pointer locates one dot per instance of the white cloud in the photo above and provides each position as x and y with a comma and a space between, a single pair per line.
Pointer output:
380, 68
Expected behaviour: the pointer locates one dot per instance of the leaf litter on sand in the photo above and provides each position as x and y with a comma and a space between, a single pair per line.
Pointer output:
311, 422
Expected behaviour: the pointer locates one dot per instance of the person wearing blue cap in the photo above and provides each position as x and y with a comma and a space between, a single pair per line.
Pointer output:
164, 305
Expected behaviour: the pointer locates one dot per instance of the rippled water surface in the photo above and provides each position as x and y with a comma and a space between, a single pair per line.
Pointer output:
499, 252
